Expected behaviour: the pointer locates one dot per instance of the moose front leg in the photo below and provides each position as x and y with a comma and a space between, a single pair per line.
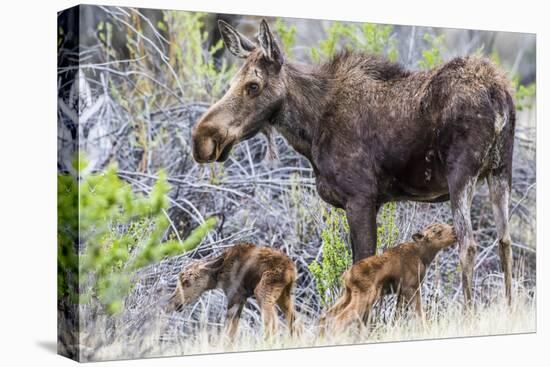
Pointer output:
234, 310
361, 216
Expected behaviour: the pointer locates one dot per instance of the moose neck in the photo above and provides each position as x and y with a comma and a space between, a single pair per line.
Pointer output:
430, 251
303, 106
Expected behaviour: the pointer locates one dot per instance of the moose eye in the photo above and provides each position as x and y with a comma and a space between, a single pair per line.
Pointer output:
252, 88
185, 282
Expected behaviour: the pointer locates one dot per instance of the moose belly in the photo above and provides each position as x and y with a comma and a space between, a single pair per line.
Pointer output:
328, 193
420, 180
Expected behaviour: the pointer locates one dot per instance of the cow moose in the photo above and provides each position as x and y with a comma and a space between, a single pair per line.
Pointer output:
400, 269
375, 132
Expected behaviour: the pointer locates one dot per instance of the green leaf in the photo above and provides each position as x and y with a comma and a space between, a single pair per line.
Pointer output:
120, 231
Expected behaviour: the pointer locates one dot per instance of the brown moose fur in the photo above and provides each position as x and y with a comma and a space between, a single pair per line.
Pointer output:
242, 271
400, 269
375, 132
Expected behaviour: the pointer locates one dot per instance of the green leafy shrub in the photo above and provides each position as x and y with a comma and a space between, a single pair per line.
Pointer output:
370, 38
376, 39
67, 237
183, 69
432, 56
117, 231
287, 35
387, 231
203, 80
336, 255
523, 94
328, 47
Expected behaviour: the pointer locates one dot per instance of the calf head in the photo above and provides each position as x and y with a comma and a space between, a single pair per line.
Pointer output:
254, 96
195, 280
437, 235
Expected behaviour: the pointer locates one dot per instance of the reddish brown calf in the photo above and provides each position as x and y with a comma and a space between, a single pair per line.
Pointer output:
242, 271
400, 268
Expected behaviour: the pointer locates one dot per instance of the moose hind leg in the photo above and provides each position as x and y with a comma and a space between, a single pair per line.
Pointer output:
500, 195
409, 297
461, 200
267, 295
366, 310
350, 314
332, 312
234, 310
340, 304
286, 304
417, 305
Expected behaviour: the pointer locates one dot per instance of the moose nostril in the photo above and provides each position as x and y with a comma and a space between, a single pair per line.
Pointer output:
204, 149
213, 145
212, 156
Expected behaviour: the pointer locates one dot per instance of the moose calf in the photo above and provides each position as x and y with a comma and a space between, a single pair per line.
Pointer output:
400, 268
242, 271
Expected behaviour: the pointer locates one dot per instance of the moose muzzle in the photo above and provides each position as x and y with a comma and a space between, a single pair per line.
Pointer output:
211, 143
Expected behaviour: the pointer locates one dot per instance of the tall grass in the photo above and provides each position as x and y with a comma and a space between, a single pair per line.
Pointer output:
453, 321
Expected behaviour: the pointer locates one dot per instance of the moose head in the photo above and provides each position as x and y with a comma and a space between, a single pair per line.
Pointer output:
438, 235
254, 96
193, 281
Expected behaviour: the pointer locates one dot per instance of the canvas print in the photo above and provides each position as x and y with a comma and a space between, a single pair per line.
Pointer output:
238, 183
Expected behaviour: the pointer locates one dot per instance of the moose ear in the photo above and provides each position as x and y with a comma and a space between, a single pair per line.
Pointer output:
235, 42
214, 264
417, 237
269, 45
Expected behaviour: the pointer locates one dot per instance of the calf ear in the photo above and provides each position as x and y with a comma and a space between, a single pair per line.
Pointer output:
417, 237
214, 264
269, 45
235, 42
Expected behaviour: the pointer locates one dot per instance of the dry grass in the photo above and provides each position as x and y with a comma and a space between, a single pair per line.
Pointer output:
454, 321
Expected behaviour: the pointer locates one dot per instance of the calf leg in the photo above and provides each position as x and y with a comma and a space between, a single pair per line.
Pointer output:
287, 306
267, 295
340, 304
405, 298
269, 316
399, 304
358, 310
461, 191
350, 314
500, 195
410, 296
234, 310
416, 303
418, 306
371, 297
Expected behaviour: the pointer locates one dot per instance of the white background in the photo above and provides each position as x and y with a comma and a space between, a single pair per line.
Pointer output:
28, 181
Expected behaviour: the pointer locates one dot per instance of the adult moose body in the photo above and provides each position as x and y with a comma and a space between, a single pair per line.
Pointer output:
375, 132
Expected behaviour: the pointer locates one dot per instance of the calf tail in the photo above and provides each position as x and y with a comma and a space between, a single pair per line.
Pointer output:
333, 311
